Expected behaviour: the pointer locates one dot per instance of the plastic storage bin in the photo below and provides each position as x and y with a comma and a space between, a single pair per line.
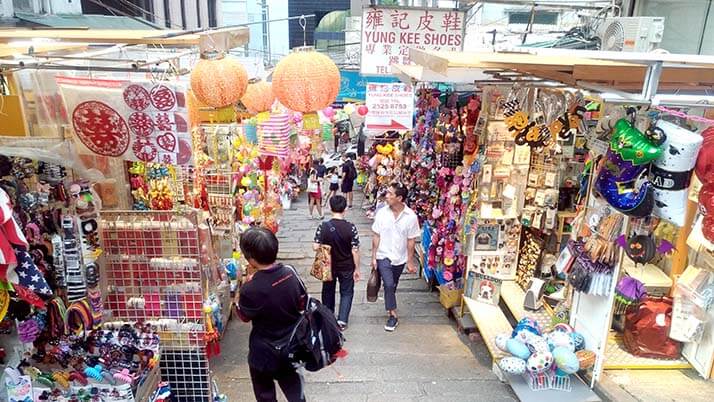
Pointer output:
693, 298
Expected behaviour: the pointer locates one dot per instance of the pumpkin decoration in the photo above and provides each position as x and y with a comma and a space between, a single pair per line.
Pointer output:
258, 96
219, 82
306, 81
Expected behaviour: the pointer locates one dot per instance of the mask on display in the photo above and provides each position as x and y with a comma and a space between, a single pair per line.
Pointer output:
670, 174
628, 156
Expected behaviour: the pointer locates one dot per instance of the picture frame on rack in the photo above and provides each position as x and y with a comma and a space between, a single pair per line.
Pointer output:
486, 289
565, 260
486, 238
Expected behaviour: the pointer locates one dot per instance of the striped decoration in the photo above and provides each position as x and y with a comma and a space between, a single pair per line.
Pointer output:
274, 135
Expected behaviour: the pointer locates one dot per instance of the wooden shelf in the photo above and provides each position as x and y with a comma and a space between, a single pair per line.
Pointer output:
513, 296
490, 322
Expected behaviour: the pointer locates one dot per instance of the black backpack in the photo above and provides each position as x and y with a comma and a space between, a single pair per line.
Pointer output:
316, 337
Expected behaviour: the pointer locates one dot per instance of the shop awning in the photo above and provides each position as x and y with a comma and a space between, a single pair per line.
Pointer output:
86, 21
9, 50
602, 71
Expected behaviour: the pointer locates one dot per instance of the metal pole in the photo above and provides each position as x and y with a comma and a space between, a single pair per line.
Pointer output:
704, 30
649, 87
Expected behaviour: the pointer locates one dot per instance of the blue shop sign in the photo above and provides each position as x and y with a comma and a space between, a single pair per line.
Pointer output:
353, 85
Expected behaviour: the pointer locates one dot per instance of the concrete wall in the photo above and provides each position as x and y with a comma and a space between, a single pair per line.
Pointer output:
6, 8
65, 6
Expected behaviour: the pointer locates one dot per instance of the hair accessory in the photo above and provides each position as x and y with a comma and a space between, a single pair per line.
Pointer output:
94, 372
61, 378
79, 317
79, 377
124, 376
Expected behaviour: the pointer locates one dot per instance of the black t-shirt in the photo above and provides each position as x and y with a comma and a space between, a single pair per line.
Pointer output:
321, 169
348, 169
342, 237
272, 300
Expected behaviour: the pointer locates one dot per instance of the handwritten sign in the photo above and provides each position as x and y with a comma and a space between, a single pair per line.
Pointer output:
391, 106
389, 33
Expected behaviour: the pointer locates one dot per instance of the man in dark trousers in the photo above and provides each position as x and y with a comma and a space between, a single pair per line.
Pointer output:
272, 299
343, 239
349, 174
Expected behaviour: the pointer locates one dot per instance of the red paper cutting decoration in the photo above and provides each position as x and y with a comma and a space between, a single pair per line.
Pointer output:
137, 97
180, 99
181, 125
144, 149
184, 153
100, 128
141, 124
162, 97
167, 141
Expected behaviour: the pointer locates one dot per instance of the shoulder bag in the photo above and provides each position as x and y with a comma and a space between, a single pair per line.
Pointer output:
322, 266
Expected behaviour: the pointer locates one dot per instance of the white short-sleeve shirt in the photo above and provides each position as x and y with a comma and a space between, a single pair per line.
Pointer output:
394, 233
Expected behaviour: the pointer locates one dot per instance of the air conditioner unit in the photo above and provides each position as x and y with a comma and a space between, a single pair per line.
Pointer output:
631, 34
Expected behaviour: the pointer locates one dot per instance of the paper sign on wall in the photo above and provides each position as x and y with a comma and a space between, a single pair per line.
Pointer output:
391, 106
388, 34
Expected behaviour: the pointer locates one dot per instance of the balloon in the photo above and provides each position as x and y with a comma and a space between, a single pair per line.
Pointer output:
670, 174
539, 362
517, 349
329, 112
512, 365
705, 161
349, 108
362, 110
501, 340
706, 199
629, 154
566, 360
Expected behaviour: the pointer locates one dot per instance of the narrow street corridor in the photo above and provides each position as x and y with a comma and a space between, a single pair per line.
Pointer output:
425, 359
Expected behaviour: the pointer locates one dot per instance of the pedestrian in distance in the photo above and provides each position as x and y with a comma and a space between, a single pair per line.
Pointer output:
334, 184
320, 168
395, 232
314, 194
343, 239
349, 174
272, 299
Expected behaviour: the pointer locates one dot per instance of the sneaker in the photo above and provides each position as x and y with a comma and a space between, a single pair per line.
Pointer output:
392, 323
342, 325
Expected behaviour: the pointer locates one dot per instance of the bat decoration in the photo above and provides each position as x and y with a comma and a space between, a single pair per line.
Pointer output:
665, 247
642, 248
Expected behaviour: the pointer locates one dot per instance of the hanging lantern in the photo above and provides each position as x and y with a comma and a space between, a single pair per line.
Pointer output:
258, 96
219, 82
306, 81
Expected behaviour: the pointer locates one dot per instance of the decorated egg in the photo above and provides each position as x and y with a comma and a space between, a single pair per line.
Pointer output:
537, 344
566, 360
561, 339
563, 327
512, 365
586, 359
518, 349
539, 362
501, 340
578, 341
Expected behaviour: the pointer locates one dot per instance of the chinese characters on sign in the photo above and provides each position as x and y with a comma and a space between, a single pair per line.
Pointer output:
391, 106
388, 33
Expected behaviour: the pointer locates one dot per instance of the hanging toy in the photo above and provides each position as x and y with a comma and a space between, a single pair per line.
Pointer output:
628, 156
640, 248
670, 174
628, 293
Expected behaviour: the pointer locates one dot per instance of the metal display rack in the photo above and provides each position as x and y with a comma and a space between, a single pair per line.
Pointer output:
154, 272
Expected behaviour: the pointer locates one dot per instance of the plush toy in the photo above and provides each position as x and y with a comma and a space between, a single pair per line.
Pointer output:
628, 157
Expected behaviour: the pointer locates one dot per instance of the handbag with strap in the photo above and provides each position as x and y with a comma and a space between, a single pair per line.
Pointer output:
373, 284
322, 265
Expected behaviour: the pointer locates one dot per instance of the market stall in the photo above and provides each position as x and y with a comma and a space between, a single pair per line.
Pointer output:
561, 163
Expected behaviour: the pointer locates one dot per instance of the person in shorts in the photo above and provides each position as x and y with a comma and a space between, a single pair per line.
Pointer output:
314, 194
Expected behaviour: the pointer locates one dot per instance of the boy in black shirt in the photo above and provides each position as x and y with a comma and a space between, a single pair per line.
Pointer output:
272, 299
343, 239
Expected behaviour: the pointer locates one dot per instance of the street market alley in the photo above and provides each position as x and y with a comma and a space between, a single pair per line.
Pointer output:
425, 359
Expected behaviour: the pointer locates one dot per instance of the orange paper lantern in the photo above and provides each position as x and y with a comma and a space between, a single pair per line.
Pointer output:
219, 82
306, 81
258, 97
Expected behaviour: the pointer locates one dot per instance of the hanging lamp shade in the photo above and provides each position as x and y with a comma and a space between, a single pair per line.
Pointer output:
306, 81
219, 82
258, 96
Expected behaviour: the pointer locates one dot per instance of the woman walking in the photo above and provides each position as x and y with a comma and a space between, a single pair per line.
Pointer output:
334, 184
314, 194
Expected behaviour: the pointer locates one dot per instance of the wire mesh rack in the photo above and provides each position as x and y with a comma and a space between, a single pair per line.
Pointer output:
154, 273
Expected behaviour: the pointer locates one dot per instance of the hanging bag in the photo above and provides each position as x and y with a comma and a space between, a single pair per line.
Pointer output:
647, 330
322, 265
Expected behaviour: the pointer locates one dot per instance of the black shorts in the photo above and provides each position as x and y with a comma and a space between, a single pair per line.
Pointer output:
347, 186
334, 186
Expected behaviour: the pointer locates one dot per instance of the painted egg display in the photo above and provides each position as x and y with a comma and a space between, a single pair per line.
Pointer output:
586, 358
538, 344
501, 340
518, 349
539, 362
566, 360
561, 339
578, 341
512, 365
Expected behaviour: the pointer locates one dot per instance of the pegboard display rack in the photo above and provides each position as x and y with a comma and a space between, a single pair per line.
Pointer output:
155, 271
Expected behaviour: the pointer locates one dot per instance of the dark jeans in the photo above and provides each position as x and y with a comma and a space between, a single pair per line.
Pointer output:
289, 379
390, 278
347, 291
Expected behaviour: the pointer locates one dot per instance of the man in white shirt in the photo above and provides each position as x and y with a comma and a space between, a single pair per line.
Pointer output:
396, 230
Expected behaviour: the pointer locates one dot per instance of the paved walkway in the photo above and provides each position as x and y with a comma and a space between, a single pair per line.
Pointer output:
425, 359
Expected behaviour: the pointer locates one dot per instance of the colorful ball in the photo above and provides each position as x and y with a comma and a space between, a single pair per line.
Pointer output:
539, 362
566, 360
512, 365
